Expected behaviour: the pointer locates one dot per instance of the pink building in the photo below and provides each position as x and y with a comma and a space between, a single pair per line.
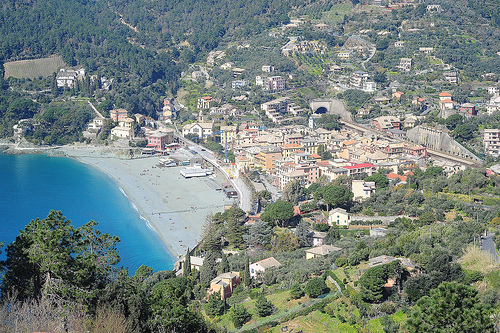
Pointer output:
468, 109
118, 114
159, 140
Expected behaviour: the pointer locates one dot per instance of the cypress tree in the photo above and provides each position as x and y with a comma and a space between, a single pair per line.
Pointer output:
187, 265
224, 265
246, 273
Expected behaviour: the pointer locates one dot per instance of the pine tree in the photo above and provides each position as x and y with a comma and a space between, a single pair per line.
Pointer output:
263, 306
208, 270
187, 264
215, 306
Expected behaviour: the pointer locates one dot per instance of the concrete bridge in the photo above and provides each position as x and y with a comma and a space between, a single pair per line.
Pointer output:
331, 106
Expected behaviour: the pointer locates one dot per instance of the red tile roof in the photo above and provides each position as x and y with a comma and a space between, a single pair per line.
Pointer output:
359, 166
445, 94
394, 176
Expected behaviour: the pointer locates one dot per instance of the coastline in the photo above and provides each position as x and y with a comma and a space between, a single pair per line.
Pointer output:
172, 206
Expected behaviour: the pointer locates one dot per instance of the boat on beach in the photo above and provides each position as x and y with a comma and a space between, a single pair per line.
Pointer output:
168, 162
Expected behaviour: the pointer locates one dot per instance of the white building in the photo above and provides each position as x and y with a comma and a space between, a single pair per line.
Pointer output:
491, 141
369, 86
260, 267
125, 128
362, 189
67, 77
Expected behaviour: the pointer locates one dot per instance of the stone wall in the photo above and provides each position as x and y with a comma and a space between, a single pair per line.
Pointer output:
439, 140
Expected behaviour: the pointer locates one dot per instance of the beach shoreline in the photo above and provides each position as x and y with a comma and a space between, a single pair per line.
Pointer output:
174, 207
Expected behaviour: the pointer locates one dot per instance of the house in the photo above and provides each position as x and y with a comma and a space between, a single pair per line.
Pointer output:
399, 44
451, 77
196, 262
205, 102
339, 216
202, 130
267, 69
384, 123
238, 71
276, 83
125, 129
117, 114
227, 66
358, 78
405, 64
67, 77
344, 55
426, 50
260, 267
238, 84
491, 140
321, 251
398, 95
369, 86
446, 104
444, 96
418, 101
494, 91
468, 109
317, 238
321, 26
394, 176
410, 121
362, 189
225, 284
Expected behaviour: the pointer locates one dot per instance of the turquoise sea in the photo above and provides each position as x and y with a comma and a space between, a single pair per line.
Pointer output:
32, 185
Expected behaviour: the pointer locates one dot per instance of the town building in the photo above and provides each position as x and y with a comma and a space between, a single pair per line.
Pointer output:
160, 139
384, 123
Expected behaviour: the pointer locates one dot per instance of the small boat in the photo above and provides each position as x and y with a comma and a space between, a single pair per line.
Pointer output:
168, 162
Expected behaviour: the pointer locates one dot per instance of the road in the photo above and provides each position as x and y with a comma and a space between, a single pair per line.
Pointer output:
488, 245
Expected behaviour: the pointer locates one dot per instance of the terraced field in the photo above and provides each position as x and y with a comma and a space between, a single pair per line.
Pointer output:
33, 68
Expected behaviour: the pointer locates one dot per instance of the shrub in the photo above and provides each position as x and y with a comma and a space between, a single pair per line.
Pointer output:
316, 287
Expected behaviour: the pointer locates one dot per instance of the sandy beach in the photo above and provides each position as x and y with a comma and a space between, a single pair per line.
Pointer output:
174, 207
